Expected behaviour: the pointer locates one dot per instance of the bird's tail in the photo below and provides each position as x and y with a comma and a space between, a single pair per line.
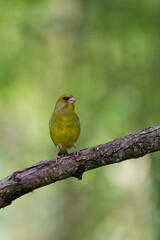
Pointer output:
62, 152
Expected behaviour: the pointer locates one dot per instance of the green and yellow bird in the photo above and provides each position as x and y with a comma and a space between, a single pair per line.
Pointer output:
64, 125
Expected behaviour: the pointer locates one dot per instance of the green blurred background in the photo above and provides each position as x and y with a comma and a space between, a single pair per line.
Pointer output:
107, 54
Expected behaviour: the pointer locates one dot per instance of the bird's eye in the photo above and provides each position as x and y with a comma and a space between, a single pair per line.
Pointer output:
66, 98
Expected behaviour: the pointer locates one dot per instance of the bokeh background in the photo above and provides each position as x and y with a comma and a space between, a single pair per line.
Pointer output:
107, 54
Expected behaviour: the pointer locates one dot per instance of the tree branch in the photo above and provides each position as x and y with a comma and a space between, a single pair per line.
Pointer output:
46, 172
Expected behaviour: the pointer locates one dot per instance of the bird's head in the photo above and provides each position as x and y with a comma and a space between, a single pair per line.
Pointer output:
65, 102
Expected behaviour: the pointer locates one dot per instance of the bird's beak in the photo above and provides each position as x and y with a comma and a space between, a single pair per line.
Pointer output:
72, 100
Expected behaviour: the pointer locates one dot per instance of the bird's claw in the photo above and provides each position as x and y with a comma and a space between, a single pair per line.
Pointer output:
57, 157
76, 152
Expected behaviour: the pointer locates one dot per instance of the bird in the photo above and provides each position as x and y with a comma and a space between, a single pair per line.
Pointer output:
64, 125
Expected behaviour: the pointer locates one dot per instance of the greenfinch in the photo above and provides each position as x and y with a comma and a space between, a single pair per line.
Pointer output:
64, 125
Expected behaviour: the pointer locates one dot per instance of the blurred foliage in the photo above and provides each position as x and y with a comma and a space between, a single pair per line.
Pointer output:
106, 53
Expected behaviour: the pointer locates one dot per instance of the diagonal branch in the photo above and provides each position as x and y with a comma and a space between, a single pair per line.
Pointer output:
46, 172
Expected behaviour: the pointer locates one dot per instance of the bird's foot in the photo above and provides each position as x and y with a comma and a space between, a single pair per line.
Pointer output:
57, 157
76, 152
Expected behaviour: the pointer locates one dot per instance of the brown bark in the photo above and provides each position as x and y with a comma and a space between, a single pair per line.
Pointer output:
46, 172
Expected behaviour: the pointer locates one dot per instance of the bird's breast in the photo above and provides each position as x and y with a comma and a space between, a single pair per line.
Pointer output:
64, 128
